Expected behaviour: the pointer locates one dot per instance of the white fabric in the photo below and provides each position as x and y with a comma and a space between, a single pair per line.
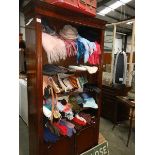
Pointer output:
77, 68
47, 112
90, 102
91, 69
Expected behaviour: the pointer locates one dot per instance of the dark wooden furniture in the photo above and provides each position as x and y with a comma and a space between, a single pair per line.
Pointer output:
131, 106
36, 57
111, 109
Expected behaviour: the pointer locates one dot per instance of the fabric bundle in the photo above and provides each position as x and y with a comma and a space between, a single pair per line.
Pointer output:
49, 136
80, 50
90, 47
70, 47
54, 47
95, 56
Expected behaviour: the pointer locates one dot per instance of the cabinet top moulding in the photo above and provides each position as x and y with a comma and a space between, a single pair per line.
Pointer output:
43, 9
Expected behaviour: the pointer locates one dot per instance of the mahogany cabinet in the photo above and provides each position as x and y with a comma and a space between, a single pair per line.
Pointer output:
87, 137
111, 109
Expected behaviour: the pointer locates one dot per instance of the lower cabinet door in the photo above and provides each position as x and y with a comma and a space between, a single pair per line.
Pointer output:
65, 146
85, 140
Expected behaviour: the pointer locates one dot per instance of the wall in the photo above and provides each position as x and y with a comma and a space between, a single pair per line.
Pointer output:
108, 43
22, 24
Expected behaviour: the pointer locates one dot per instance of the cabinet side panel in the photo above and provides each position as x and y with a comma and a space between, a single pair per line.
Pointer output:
32, 87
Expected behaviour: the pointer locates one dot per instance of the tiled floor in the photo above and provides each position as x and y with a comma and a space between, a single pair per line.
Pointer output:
116, 138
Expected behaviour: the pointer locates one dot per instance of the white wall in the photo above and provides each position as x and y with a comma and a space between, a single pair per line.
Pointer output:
108, 41
22, 23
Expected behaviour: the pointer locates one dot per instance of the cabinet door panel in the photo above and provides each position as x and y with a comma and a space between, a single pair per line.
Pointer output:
85, 140
65, 146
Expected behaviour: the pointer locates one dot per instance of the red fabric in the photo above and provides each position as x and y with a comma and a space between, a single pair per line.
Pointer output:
62, 128
76, 120
94, 57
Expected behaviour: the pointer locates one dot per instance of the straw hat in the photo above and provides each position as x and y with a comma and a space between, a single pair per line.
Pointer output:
69, 32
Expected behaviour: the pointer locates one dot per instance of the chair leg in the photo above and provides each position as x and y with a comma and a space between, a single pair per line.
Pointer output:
130, 127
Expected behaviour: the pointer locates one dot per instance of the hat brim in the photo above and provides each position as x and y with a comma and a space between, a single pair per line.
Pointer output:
67, 37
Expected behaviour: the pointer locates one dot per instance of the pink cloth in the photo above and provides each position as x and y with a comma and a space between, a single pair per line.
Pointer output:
94, 57
54, 47
70, 47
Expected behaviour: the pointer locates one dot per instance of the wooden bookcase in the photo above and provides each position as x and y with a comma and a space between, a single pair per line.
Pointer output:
87, 137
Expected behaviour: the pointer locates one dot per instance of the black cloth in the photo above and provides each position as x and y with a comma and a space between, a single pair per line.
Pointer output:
119, 69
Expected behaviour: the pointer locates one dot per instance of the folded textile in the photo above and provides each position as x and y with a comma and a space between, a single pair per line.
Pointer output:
63, 108
91, 88
69, 115
80, 68
48, 106
77, 126
90, 103
78, 121
80, 50
67, 83
82, 81
48, 101
91, 69
62, 128
87, 117
76, 98
80, 118
50, 69
47, 91
47, 112
74, 105
63, 86
85, 96
73, 81
70, 127
52, 128
50, 137
90, 47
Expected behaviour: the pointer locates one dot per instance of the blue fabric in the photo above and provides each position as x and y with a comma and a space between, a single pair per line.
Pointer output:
80, 50
89, 47
85, 96
48, 106
86, 44
50, 137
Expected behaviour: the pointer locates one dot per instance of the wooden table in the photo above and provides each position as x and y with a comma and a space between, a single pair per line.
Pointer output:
131, 105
